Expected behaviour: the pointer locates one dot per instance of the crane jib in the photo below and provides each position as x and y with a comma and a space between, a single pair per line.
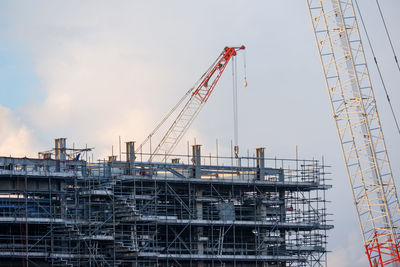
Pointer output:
204, 90
198, 98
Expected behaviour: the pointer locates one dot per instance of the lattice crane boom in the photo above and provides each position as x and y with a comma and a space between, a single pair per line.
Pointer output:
358, 126
199, 95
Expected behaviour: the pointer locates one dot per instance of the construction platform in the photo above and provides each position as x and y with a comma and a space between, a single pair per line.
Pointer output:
195, 211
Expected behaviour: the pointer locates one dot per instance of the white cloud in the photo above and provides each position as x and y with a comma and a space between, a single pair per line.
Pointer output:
96, 91
350, 254
99, 63
112, 69
16, 139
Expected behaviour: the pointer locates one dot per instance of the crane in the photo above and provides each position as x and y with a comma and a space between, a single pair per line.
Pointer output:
359, 128
199, 94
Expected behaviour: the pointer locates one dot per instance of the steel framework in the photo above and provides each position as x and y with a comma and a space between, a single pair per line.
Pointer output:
264, 212
358, 126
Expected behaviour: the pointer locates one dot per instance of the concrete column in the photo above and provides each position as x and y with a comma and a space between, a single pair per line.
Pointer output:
197, 161
60, 149
260, 163
60, 153
261, 211
200, 246
130, 156
199, 205
282, 210
282, 198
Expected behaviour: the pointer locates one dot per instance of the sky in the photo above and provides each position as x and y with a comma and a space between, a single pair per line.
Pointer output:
92, 71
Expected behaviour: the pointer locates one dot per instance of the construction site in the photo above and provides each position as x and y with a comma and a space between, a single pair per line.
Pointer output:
202, 209
207, 211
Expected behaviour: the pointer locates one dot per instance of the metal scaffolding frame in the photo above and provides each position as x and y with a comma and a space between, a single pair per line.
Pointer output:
257, 212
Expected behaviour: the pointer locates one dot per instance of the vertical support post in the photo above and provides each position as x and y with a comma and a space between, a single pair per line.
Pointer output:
260, 163
282, 209
197, 160
282, 206
109, 166
261, 211
130, 156
199, 206
26, 221
60, 146
60, 153
200, 232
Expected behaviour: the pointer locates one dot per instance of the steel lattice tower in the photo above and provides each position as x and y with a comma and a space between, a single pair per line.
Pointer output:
358, 126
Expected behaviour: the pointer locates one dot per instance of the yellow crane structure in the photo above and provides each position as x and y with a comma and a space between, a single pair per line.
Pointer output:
358, 126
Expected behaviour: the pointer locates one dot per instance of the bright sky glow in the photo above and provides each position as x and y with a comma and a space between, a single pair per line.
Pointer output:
95, 70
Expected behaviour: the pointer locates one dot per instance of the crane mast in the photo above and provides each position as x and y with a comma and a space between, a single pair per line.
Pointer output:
358, 126
199, 95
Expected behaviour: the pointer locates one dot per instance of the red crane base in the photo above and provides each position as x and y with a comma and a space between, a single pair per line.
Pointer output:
382, 253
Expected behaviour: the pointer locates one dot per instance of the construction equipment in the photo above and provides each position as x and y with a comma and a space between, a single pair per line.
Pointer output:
358, 126
199, 94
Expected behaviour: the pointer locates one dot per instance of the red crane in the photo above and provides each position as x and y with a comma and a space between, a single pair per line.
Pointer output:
199, 94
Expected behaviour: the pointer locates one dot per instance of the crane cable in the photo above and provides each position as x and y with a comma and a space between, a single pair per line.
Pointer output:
245, 69
378, 68
388, 35
235, 107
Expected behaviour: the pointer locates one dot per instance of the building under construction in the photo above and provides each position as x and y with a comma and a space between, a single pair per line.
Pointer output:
61, 210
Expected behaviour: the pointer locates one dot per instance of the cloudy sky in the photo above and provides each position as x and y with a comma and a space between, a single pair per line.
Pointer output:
95, 70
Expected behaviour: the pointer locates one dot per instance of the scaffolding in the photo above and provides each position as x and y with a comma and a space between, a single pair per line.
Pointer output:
208, 211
